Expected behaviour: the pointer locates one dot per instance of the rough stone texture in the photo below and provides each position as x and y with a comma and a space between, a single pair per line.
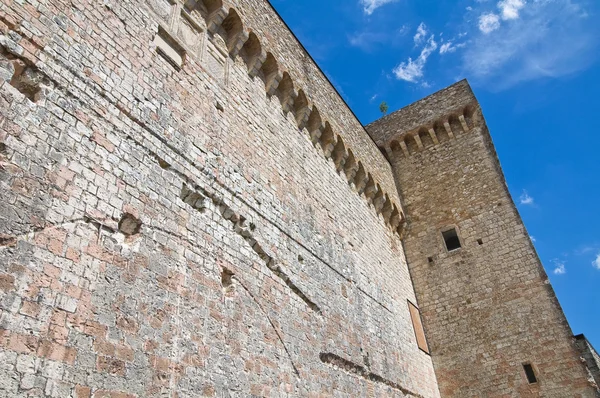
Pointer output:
488, 307
591, 357
181, 232
190, 209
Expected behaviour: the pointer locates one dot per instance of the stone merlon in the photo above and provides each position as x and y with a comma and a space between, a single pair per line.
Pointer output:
451, 101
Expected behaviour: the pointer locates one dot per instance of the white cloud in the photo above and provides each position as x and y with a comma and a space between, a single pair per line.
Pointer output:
545, 39
421, 34
489, 23
533, 239
525, 199
369, 6
509, 9
450, 47
446, 48
412, 71
596, 262
559, 268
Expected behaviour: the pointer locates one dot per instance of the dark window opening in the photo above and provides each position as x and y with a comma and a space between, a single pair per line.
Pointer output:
451, 239
530, 373
430, 259
480, 241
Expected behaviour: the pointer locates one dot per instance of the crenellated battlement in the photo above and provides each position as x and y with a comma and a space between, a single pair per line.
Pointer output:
207, 28
435, 119
447, 127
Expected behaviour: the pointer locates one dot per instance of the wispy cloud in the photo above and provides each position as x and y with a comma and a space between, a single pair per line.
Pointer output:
369, 6
522, 40
412, 71
422, 32
366, 40
525, 199
533, 239
596, 262
559, 267
450, 47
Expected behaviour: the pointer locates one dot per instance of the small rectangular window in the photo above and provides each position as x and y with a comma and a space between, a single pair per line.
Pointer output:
415, 315
530, 373
451, 239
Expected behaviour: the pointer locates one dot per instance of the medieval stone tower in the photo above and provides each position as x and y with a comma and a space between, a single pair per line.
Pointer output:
189, 209
493, 323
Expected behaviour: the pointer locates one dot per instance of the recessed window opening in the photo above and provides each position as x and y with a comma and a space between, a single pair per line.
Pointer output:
451, 239
480, 242
530, 373
430, 259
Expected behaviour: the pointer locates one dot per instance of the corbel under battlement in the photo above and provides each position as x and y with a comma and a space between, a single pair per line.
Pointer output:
435, 119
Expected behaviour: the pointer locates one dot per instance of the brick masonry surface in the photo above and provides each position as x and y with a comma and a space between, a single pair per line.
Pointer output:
189, 209
488, 307
591, 357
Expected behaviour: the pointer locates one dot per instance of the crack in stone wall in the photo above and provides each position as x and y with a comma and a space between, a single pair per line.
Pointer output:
12, 240
362, 372
195, 199
266, 314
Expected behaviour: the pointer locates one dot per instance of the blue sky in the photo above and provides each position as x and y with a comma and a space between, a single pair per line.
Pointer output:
534, 66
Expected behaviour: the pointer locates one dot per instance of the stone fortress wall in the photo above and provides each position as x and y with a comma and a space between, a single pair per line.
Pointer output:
488, 308
591, 358
189, 209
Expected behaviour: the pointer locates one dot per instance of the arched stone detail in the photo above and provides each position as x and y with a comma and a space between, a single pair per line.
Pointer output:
286, 92
395, 147
211, 5
411, 144
395, 218
301, 109
425, 138
455, 125
315, 125
469, 114
378, 199
235, 36
339, 154
271, 74
214, 19
387, 208
327, 140
371, 188
361, 178
253, 54
351, 166
440, 132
